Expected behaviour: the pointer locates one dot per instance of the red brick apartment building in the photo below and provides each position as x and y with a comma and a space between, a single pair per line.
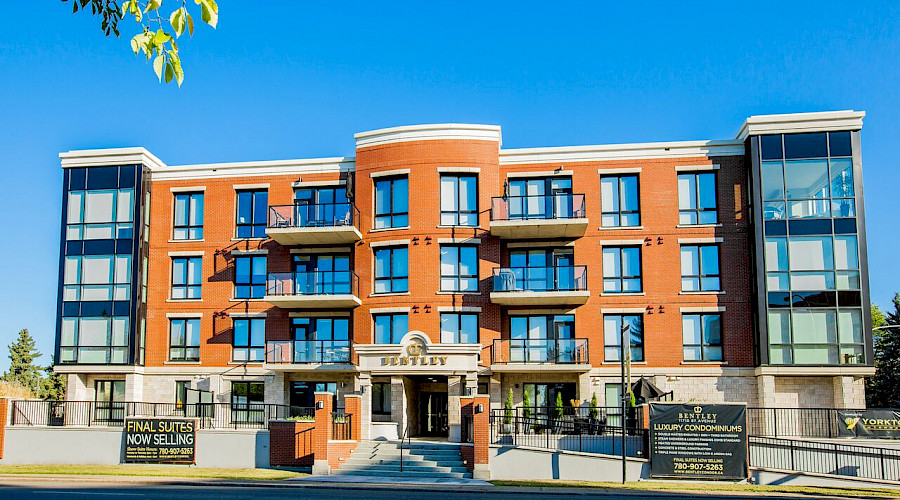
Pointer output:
434, 264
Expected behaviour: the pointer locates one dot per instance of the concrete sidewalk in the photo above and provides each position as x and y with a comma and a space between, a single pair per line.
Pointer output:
345, 479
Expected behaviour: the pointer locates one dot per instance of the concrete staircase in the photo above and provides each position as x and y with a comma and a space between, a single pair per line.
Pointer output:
421, 460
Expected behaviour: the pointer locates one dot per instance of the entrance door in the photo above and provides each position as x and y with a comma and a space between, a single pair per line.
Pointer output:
433, 414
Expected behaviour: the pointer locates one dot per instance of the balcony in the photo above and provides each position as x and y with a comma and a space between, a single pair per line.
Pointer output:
284, 353
559, 215
540, 286
540, 351
313, 290
314, 224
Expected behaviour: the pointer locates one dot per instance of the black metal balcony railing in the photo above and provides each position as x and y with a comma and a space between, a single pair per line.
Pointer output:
307, 351
540, 279
550, 351
538, 206
308, 215
312, 283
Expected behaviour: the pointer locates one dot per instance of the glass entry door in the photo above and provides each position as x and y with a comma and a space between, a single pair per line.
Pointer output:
433, 414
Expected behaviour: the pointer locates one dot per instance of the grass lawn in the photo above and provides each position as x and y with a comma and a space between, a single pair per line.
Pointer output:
150, 470
706, 487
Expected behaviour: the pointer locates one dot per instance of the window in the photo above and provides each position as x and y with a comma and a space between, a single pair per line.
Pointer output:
697, 199
97, 277
381, 398
390, 328
100, 214
812, 263
459, 268
543, 396
700, 268
619, 201
541, 270
324, 206
612, 336
188, 216
186, 277
252, 208
392, 203
459, 328
613, 403
250, 277
247, 402
459, 200
702, 337
820, 336
303, 394
109, 400
94, 340
184, 339
543, 198
542, 339
622, 269
249, 340
323, 274
392, 270
321, 340
181, 388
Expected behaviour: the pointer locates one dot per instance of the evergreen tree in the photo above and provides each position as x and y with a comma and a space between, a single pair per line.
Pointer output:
54, 384
22, 370
883, 389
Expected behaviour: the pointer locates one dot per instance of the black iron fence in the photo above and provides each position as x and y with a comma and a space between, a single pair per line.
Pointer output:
341, 426
585, 430
114, 413
825, 458
794, 422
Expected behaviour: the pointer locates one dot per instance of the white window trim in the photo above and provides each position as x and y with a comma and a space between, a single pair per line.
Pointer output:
335, 184
192, 315
697, 168
694, 310
249, 252
245, 187
389, 310
616, 171
543, 173
188, 189
458, 309
700, 241
247, 315
389, 243
389, 173
459, 241
619, 243
187, 253
459, 170
625, 310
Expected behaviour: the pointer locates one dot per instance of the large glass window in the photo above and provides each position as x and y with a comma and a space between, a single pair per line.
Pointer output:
702, 337
697, 198
459, 328
542, 198
188, 216
109, 400
542, 338
252, 213
94, 340
390, 328
321, 340
186, 277
700, 268
249, 339
392, 270
184, 339
322, 206
543, 396
816, 336
459, 268
100, 214
247, 400
619, 201
250, 277
381, 398
392, 203
459, 200
812, 263
612, 336
621, 269
322, 274
97, 277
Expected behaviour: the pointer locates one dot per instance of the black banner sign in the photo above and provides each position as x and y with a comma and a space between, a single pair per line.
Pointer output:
700, 441
872, 424
160, 440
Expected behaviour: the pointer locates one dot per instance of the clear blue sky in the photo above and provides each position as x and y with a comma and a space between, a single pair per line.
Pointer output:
297, 79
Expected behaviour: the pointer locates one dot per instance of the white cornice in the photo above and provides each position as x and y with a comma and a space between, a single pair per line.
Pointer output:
637, 151
334, 165
795, 123
431, 132
110, 157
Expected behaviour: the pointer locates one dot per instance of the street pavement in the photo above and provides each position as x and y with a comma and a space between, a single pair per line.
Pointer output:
15, 489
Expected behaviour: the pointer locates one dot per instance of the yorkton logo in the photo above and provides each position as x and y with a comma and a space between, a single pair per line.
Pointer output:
851, 422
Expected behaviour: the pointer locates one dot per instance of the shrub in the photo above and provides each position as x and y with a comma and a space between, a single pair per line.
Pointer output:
508, 408
593, 412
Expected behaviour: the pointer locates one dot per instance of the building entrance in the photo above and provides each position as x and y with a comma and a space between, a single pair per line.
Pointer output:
433, 420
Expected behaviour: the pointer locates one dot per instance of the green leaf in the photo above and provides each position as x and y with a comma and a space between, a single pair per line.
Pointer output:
152, 5
126, 7
177, 20
170, 72
190, 23
161, 37
158, 65
136, 43
209, 12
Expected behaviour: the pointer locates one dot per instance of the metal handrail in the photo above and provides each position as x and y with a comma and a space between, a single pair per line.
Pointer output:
538, 206
311, 215
540, 279
312, 283
406, 435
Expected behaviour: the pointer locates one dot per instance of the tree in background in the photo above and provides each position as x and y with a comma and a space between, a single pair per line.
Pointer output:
53, 386
883, 389
22, 370
159, 44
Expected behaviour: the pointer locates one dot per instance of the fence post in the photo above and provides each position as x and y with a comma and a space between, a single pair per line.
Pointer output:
791, 449
881, 459
775, 422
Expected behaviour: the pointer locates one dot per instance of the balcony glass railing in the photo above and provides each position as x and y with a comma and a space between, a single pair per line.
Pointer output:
540, 279
538, 206
553, 351
307, 351
312, 283
307, 215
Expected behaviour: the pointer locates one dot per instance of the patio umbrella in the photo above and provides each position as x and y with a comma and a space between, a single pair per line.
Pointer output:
645, 389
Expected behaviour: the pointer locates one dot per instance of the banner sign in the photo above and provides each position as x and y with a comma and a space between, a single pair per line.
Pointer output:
160, 440
872, 424
698, 441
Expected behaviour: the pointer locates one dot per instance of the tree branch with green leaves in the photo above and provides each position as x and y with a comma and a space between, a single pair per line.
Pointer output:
157, 38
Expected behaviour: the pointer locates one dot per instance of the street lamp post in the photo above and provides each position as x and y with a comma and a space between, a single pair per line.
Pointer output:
625, 328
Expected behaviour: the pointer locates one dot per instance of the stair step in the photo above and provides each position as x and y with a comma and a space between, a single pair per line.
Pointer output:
418, 463
405, 473
406, 468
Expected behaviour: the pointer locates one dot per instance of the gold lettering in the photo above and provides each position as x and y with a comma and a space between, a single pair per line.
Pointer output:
443, 359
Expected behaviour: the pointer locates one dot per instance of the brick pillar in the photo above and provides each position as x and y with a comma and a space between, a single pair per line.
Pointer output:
481, 437
4, 411
322, 433
353, 407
